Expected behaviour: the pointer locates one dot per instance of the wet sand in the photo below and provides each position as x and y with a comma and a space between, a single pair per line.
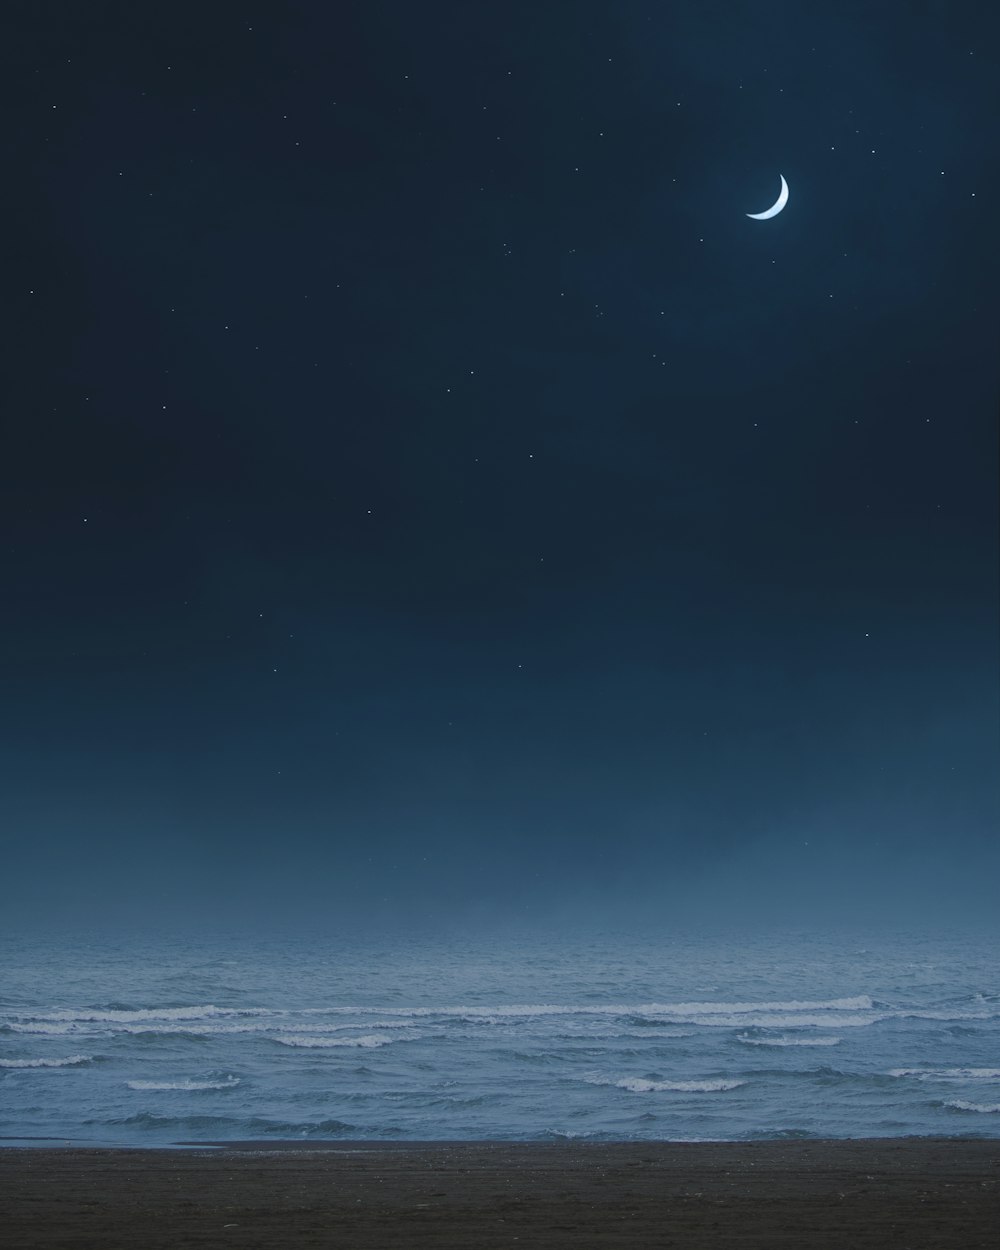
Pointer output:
909, 1193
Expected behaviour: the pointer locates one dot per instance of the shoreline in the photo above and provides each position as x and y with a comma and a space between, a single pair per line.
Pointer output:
807, 1194
58, 1140
368, 1144
365, 1145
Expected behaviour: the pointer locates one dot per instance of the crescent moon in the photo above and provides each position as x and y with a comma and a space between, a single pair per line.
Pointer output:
776, 207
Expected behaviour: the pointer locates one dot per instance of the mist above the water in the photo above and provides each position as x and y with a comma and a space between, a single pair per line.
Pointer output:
873, 875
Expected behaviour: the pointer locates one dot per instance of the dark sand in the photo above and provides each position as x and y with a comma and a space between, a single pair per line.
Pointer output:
915, 1193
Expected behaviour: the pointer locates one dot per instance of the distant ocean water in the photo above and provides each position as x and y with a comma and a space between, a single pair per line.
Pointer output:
172, 1040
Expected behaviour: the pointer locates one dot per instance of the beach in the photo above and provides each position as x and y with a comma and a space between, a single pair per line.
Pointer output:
838, 1195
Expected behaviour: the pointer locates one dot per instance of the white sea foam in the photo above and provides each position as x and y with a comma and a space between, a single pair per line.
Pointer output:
692, 1087
640, 1085
913, 1013
194, 1029
71, 1062
948, 1074
207, 1017
368, 1024
312, 1042
283, 1025
789, 1041
645, 1035
481, 1017
860, 1002
85, 1015
228, 1083
191, 1026
44, 1030
983, 1108
765, 1020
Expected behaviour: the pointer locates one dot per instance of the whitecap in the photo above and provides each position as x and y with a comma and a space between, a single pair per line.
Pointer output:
915, 1013
84, 1015
640, 1085
644, 1035
983, 1108
71, 1062
765, 1020
44, 1030
860, 1002
948, 1074
208, 1011
685, 1087
312, 1042
789, 1041
228, 1083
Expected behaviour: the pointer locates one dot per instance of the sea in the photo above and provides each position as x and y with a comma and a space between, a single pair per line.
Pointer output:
152, 1041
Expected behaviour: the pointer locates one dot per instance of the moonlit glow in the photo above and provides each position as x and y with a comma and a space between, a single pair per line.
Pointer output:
776, 207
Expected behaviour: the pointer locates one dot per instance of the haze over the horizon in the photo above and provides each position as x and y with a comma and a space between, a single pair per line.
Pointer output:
428, 497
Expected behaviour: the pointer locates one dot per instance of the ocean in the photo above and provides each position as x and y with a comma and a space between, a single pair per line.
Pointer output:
607, 1037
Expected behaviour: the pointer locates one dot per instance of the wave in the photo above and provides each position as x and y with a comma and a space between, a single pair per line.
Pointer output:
641, 1085
312, 1042
368, 1024
960, 1104
914, 1013
851, 1010
191, 1027
706, 1087
650, 1032
948, 1074
281, 1026
228, 1127
115, 1015
764, 1020
195, 1029
854, 1011
72, 1061
43, 1030
789, 1041
860, 1002
595, 1135
228, 1083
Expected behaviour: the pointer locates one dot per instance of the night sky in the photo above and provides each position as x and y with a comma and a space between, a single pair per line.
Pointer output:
425, 492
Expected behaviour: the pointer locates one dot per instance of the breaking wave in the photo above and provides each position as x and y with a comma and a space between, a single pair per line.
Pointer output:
860, 1002
228, 1083
116, 1015
72, 1061
982, 1108
312, 1042
230, 1127
948, 1074
789, 1041
640, 1085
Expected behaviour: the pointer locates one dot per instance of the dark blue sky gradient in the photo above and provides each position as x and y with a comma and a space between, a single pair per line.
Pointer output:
424, 491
